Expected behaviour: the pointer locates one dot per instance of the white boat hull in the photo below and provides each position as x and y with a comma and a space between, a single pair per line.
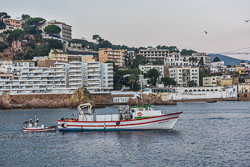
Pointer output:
39, 129
165, 121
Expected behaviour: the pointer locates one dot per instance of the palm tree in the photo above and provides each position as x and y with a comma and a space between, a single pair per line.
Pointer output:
132, 80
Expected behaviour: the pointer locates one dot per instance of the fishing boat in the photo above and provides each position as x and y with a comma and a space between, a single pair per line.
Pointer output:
127, 118
32, 126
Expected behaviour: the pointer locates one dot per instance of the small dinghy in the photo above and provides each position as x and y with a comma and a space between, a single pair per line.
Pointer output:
32, 126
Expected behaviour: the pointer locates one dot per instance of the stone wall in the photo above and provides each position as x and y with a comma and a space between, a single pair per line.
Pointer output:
244, 96
54, 100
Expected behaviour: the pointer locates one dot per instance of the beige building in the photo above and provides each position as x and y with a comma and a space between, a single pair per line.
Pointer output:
12, 24
66, 32
244, 88
60, 55
211, 81
154, 54
117, 56
224, 80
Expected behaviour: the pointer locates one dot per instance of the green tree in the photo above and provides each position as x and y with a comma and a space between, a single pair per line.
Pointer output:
55, 44
3, 46
193, 60
139, 60
158, 62
31, 25
132, 80
201, 62
2, 25
191, 83
17, 34
25, 17
4, 15
36, 21
216, 59
42, 50
153, 74
187, 52
52, 29
168, 81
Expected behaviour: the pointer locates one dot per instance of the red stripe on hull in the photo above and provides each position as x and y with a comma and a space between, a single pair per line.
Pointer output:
123, 120
122, 125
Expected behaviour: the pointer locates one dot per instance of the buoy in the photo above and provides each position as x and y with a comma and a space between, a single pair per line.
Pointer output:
139, 114
64, 125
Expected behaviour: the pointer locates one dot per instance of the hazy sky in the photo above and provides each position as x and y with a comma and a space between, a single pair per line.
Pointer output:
149, 22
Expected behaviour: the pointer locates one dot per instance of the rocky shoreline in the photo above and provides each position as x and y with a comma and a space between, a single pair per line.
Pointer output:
82, 95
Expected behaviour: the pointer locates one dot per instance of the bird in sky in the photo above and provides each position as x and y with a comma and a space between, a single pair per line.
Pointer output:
205, 32
246, 21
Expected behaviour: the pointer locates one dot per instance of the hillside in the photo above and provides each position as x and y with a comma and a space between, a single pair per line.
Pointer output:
227, 60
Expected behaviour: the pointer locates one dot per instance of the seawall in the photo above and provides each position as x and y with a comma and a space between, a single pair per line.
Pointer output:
48, 100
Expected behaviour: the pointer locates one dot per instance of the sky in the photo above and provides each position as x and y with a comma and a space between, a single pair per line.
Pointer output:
145, 23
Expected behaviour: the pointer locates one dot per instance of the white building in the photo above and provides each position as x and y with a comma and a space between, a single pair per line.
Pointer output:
217, 66
66, 32
37, 80
182, 75
5, 66
98, 76
184, 93
61, 78
75, 74
199, 56
176, 60
153, 54
146, 68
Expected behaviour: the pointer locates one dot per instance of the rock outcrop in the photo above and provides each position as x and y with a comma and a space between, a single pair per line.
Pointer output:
80, 96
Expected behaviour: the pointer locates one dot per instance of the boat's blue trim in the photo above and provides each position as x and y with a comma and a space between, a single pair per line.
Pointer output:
81, 130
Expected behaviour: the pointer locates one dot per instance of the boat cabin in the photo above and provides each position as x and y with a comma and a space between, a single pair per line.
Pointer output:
124, 113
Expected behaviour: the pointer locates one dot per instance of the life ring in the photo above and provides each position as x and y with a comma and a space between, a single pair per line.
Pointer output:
139, 114
64, 125
118, 123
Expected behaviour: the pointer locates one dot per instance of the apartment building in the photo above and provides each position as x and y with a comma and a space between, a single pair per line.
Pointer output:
224, 80
37, 80
176, 59
12, 24
66, 30
145, 68
182, 75
217, 66
198, 56
6, 66
98, 76
153, 54
25, 77
211, 81
117, 56
76, 74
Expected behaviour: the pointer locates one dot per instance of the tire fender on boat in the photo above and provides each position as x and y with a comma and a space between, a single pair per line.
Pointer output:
64, 125
139, 114
118, 123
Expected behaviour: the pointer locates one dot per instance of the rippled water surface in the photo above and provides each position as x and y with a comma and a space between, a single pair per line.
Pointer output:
207, 134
